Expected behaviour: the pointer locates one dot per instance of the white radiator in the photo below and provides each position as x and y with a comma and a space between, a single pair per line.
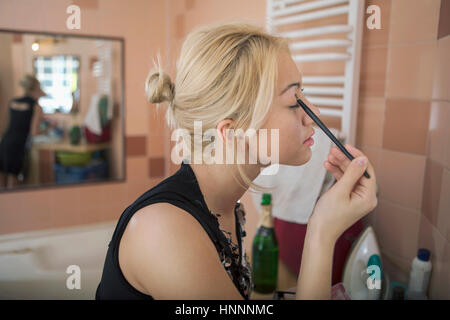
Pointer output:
346, 86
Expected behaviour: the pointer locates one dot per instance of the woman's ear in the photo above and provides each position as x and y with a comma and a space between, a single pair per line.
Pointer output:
225, 129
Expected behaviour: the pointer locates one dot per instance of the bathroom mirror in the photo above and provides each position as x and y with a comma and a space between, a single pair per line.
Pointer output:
61, 109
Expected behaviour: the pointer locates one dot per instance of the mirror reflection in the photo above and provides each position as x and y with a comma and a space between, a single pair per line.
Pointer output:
61, 109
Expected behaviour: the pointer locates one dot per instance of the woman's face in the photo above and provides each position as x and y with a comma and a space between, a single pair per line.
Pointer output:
37, 92
294, 125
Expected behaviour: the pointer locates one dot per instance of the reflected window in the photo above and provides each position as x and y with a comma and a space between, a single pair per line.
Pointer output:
58, 76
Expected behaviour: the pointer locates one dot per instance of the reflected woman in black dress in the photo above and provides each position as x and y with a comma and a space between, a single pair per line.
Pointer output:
25, 116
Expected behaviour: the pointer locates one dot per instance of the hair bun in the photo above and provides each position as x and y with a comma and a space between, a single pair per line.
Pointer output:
159, 87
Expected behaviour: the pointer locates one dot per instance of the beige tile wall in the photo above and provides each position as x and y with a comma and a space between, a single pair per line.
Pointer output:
404, 128
403, 118
140, 24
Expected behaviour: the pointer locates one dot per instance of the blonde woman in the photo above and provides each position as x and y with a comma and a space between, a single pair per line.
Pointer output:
25, 116
182, 239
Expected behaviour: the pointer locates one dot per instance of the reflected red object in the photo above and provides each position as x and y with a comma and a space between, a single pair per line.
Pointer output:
291, 237
95, 138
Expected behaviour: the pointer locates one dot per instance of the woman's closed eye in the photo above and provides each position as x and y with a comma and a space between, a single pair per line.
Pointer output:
297, 105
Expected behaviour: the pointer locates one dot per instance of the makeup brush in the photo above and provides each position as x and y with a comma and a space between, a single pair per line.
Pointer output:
326, 130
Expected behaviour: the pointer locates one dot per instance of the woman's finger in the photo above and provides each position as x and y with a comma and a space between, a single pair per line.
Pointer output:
335, 171
369, 183
340, 155
337, 160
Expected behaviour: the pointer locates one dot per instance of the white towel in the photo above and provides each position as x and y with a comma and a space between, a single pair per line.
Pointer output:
92, 118
299, 187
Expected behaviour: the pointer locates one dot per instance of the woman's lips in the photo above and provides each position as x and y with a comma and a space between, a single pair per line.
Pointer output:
310, 140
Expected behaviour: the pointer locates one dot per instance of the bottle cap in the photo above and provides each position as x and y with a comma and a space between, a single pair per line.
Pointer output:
266, 199
423, 254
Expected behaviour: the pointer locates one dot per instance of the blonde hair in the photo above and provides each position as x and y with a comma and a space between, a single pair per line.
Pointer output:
29, 82
224, 71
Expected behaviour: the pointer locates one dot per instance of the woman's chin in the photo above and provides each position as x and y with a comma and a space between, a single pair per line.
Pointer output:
298, 160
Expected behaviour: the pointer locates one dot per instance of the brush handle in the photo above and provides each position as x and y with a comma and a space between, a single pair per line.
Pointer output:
327, 132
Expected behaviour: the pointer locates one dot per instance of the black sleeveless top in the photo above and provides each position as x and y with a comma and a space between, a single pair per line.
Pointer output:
182, 190
12, 145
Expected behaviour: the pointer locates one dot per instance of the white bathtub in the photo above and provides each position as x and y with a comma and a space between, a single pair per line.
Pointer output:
33, 264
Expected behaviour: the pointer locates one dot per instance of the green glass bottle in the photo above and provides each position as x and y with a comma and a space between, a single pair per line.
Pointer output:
265, 250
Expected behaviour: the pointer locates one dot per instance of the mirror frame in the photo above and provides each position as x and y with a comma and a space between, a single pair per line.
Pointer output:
121, 108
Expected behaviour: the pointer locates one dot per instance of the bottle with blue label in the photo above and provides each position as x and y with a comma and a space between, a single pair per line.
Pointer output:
419, 277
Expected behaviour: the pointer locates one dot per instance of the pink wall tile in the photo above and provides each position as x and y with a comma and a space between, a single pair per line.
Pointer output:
180, 26
444, 22
157, 123
139, 24
137, 188
156, 167
10, 204
443, 216
137, 168
400, 178
439, 131
416, 71
22, 19
66, 206
373, 154
373, 71
55, 16
190, 4
136, 145
410, 71
432, 239
92, 201
6, 15
406, 125
439, 287
22, 211
136, 124
114, 193
378, 36
414, 20
397, 228
441, 85
396, 267
39, 202
369, 130
156, 146
432, 190
86, 4
207, 12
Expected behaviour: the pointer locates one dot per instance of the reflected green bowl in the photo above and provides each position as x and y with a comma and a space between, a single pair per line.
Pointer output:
67, 158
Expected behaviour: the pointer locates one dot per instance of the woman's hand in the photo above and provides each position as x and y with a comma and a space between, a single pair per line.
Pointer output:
350, 198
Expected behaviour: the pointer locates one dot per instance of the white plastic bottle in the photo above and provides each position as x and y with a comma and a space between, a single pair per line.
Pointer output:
419, 277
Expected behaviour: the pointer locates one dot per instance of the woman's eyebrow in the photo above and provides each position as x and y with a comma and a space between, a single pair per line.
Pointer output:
295, 84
